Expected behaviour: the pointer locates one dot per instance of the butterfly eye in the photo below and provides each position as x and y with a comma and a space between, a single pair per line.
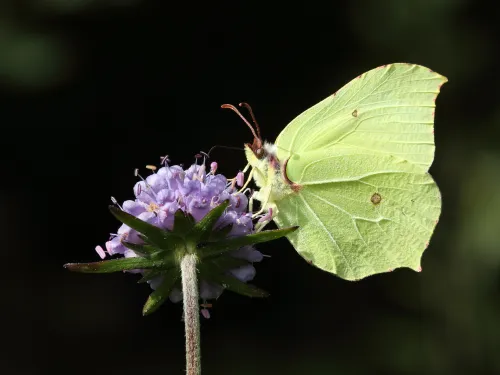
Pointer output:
259, 152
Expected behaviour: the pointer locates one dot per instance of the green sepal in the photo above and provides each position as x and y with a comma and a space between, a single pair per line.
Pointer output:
151, 274
155, 235
115, 265
221, 233
203, 228
168, 258
183, 223
212, 273
211, 249
156, 299
142, 250
145, 239
227, 262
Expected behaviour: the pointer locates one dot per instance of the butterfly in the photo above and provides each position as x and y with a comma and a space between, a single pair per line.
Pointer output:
352, 173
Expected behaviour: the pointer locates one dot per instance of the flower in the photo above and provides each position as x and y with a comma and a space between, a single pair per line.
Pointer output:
185, 226
160, 195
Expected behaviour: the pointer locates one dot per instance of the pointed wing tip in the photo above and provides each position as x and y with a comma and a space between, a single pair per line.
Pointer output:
412, 65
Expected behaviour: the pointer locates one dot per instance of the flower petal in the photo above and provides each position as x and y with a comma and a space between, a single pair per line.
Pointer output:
155, 283
205, 313
209, 290
248, 253
175, 295
134, 207
244, 273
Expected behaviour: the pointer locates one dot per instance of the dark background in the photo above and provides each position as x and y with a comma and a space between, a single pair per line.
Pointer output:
91, 90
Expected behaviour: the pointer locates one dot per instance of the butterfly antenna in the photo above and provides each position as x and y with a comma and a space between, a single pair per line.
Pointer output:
249, 109
220, 146
235, 110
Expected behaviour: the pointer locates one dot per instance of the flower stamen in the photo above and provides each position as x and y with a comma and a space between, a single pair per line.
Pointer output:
153, 207
113, 199
148, 186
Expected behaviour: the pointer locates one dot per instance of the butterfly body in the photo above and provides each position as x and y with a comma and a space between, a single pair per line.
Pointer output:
269, 174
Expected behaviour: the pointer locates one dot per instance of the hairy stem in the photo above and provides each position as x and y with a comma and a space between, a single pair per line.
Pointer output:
191, 314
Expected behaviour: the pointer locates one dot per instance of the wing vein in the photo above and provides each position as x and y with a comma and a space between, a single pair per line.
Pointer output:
329, 235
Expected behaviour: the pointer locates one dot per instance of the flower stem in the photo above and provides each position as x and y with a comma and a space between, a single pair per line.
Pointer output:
191, 314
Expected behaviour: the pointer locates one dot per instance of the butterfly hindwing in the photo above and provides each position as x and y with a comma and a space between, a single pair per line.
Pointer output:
360, 214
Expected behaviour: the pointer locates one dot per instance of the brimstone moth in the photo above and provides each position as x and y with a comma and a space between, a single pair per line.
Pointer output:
352, 173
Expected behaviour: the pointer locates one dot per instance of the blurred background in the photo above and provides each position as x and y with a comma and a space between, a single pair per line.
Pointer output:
91, 89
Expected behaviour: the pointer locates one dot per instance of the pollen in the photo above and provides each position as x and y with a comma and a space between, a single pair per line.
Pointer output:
153, 207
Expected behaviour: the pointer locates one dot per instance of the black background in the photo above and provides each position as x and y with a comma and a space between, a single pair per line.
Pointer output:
132, 82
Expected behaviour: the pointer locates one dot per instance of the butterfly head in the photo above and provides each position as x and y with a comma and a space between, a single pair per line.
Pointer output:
257, 148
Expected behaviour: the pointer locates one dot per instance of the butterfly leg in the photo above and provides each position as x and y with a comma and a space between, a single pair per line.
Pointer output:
256, 195
263, 195
250, 201
266, 219
246, 168
248, 180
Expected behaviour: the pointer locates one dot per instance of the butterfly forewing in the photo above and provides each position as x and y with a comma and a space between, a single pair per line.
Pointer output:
388, 110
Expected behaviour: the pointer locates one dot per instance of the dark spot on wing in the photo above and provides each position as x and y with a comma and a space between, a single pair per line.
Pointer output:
355, 113
376, 198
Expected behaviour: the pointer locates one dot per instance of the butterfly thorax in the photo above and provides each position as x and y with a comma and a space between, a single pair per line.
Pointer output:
270, 175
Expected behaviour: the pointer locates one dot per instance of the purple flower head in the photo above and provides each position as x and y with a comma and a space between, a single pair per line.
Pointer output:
171, 188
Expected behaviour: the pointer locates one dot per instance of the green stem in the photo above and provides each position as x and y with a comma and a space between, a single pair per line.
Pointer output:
191, 314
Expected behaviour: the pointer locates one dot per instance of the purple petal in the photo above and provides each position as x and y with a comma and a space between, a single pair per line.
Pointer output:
143, 192
190, 187
239, 202
192, 171
155, 181
115, 246
175, 295
229, 217
217, 183
164, 171
133, 207
244, 273
205, 313
248, 253
155, 283
199, 208
209, 290
164, 196
148, 217
166, 216
242, 225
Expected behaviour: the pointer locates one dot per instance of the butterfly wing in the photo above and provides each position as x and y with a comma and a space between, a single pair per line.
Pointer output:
387, 110
359, 213
366, 203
